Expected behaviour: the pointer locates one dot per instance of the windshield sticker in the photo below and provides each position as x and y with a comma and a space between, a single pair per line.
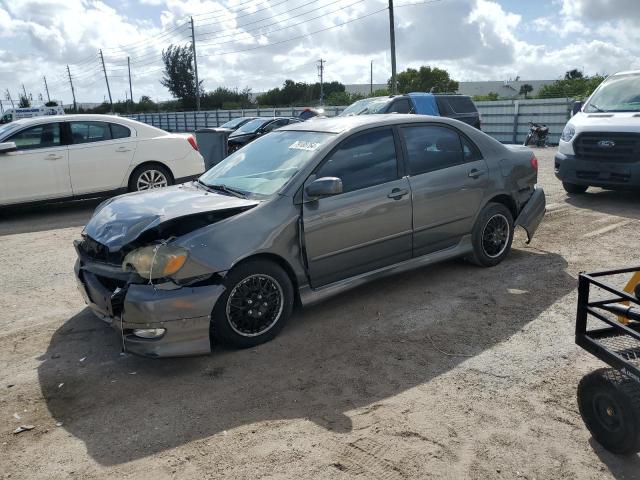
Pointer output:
301, 145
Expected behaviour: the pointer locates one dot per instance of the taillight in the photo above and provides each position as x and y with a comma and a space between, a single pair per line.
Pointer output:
192, 142
534, 162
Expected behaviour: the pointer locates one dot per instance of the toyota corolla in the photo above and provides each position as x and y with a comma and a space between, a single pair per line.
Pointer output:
300, 214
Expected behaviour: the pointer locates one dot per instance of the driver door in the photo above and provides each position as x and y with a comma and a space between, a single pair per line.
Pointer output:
368, 225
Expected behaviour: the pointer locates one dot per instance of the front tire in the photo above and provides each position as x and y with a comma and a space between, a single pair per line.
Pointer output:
574, 189
256, 305
609, 403
492, 235
149, 177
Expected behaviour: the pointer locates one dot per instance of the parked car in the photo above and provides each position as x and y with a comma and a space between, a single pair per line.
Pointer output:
79, 156
460, 107
600, 145
310, 112
236, 123
298, 215
13, 114
256, 128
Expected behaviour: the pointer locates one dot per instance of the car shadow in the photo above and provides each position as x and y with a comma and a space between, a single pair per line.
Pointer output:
50, 216
621, 467
351, 352
618, 203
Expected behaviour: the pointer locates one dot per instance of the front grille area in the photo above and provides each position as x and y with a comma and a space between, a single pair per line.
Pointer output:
99, 252
608, 147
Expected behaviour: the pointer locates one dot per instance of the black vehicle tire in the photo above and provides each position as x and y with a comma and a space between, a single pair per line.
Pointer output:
574, 189
492, 235
153, 174
255, 306
609, 403
527, 140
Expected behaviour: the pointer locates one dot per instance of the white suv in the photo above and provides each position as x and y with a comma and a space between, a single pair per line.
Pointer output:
600, 145
80, 156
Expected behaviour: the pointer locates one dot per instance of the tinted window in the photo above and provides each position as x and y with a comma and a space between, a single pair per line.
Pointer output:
461, 104
432, 148
40, 136
86, 132
274, 125
365, 160
400, 106
119, 131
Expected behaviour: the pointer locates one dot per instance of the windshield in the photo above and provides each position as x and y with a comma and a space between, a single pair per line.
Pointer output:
252, 126
234, 123
368, 105
620, 93
265, 165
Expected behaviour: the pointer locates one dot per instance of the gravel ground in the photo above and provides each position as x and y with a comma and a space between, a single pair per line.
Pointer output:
450, 371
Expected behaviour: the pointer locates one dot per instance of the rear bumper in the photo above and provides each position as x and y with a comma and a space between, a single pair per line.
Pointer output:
607, 174
532, 213
184, 313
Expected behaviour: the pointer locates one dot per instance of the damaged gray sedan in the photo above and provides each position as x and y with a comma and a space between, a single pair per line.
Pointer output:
300, 214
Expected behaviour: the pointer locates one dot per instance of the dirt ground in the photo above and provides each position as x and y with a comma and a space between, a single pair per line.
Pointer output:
450, 371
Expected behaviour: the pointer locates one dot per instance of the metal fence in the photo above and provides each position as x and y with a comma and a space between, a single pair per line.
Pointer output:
505, 120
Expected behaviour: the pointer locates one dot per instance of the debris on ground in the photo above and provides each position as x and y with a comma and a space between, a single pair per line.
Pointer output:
24, 428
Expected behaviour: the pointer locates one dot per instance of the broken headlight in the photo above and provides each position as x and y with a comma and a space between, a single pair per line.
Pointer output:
155, 261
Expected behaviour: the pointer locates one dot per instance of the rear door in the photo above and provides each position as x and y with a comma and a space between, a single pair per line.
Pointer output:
366, 227
39, 169
99, 155
448, 180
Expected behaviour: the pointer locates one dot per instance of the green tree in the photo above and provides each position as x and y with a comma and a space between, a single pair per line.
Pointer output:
294, 93
226, 98
489, 97
526, 89
426, 79
574, 85
51, 104
24, 102
178, 76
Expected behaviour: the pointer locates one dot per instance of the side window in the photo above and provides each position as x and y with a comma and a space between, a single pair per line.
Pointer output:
470, 152
119, 131
275, 125
39, 136
87, 132
363, 161
401, 106
431, 148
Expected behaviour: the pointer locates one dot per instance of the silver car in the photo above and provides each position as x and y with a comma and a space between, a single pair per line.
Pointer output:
298, 215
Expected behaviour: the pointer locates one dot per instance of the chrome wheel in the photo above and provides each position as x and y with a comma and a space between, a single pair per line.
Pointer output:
495, 236
151, 179
255, 305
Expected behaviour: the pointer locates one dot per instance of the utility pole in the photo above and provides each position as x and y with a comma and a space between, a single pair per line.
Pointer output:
392, 34
106, 80
73, 93
321, 75
130, 89
371, 77
46, 87
195, 64
10, 99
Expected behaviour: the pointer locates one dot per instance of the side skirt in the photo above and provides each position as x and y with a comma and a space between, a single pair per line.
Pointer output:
309, 296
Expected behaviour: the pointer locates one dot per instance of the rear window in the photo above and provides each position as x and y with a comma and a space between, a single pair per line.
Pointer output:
462, 105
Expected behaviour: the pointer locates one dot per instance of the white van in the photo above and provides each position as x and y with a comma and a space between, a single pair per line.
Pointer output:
18, 113
600, 145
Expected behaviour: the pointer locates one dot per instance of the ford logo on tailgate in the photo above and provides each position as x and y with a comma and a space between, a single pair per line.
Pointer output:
606, 144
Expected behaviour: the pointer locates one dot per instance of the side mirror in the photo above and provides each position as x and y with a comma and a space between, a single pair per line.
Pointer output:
7, 147
324, 187
577, 106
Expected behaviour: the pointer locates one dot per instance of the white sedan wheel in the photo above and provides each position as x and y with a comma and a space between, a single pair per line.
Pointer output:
150, 179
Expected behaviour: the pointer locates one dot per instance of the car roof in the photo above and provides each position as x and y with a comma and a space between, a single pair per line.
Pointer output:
344, 124
71, 117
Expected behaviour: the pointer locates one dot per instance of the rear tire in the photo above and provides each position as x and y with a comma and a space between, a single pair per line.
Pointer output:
574, 189
527, 140
256, 304
492, 235
609, 403
149, 177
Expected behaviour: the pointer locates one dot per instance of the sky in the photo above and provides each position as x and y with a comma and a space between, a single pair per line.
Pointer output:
260, 43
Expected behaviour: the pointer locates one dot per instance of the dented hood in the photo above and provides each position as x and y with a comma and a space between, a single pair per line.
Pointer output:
122, 219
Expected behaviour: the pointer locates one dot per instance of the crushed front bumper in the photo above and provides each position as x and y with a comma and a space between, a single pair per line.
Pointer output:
183, 312
532, 213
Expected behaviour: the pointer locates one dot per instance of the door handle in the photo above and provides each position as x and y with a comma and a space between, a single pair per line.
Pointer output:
123, 149
53, 156
475, 173
397, 193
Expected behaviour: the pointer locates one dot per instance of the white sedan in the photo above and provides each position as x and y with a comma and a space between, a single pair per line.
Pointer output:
81, 156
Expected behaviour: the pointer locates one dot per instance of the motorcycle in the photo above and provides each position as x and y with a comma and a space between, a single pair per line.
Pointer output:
537, 135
